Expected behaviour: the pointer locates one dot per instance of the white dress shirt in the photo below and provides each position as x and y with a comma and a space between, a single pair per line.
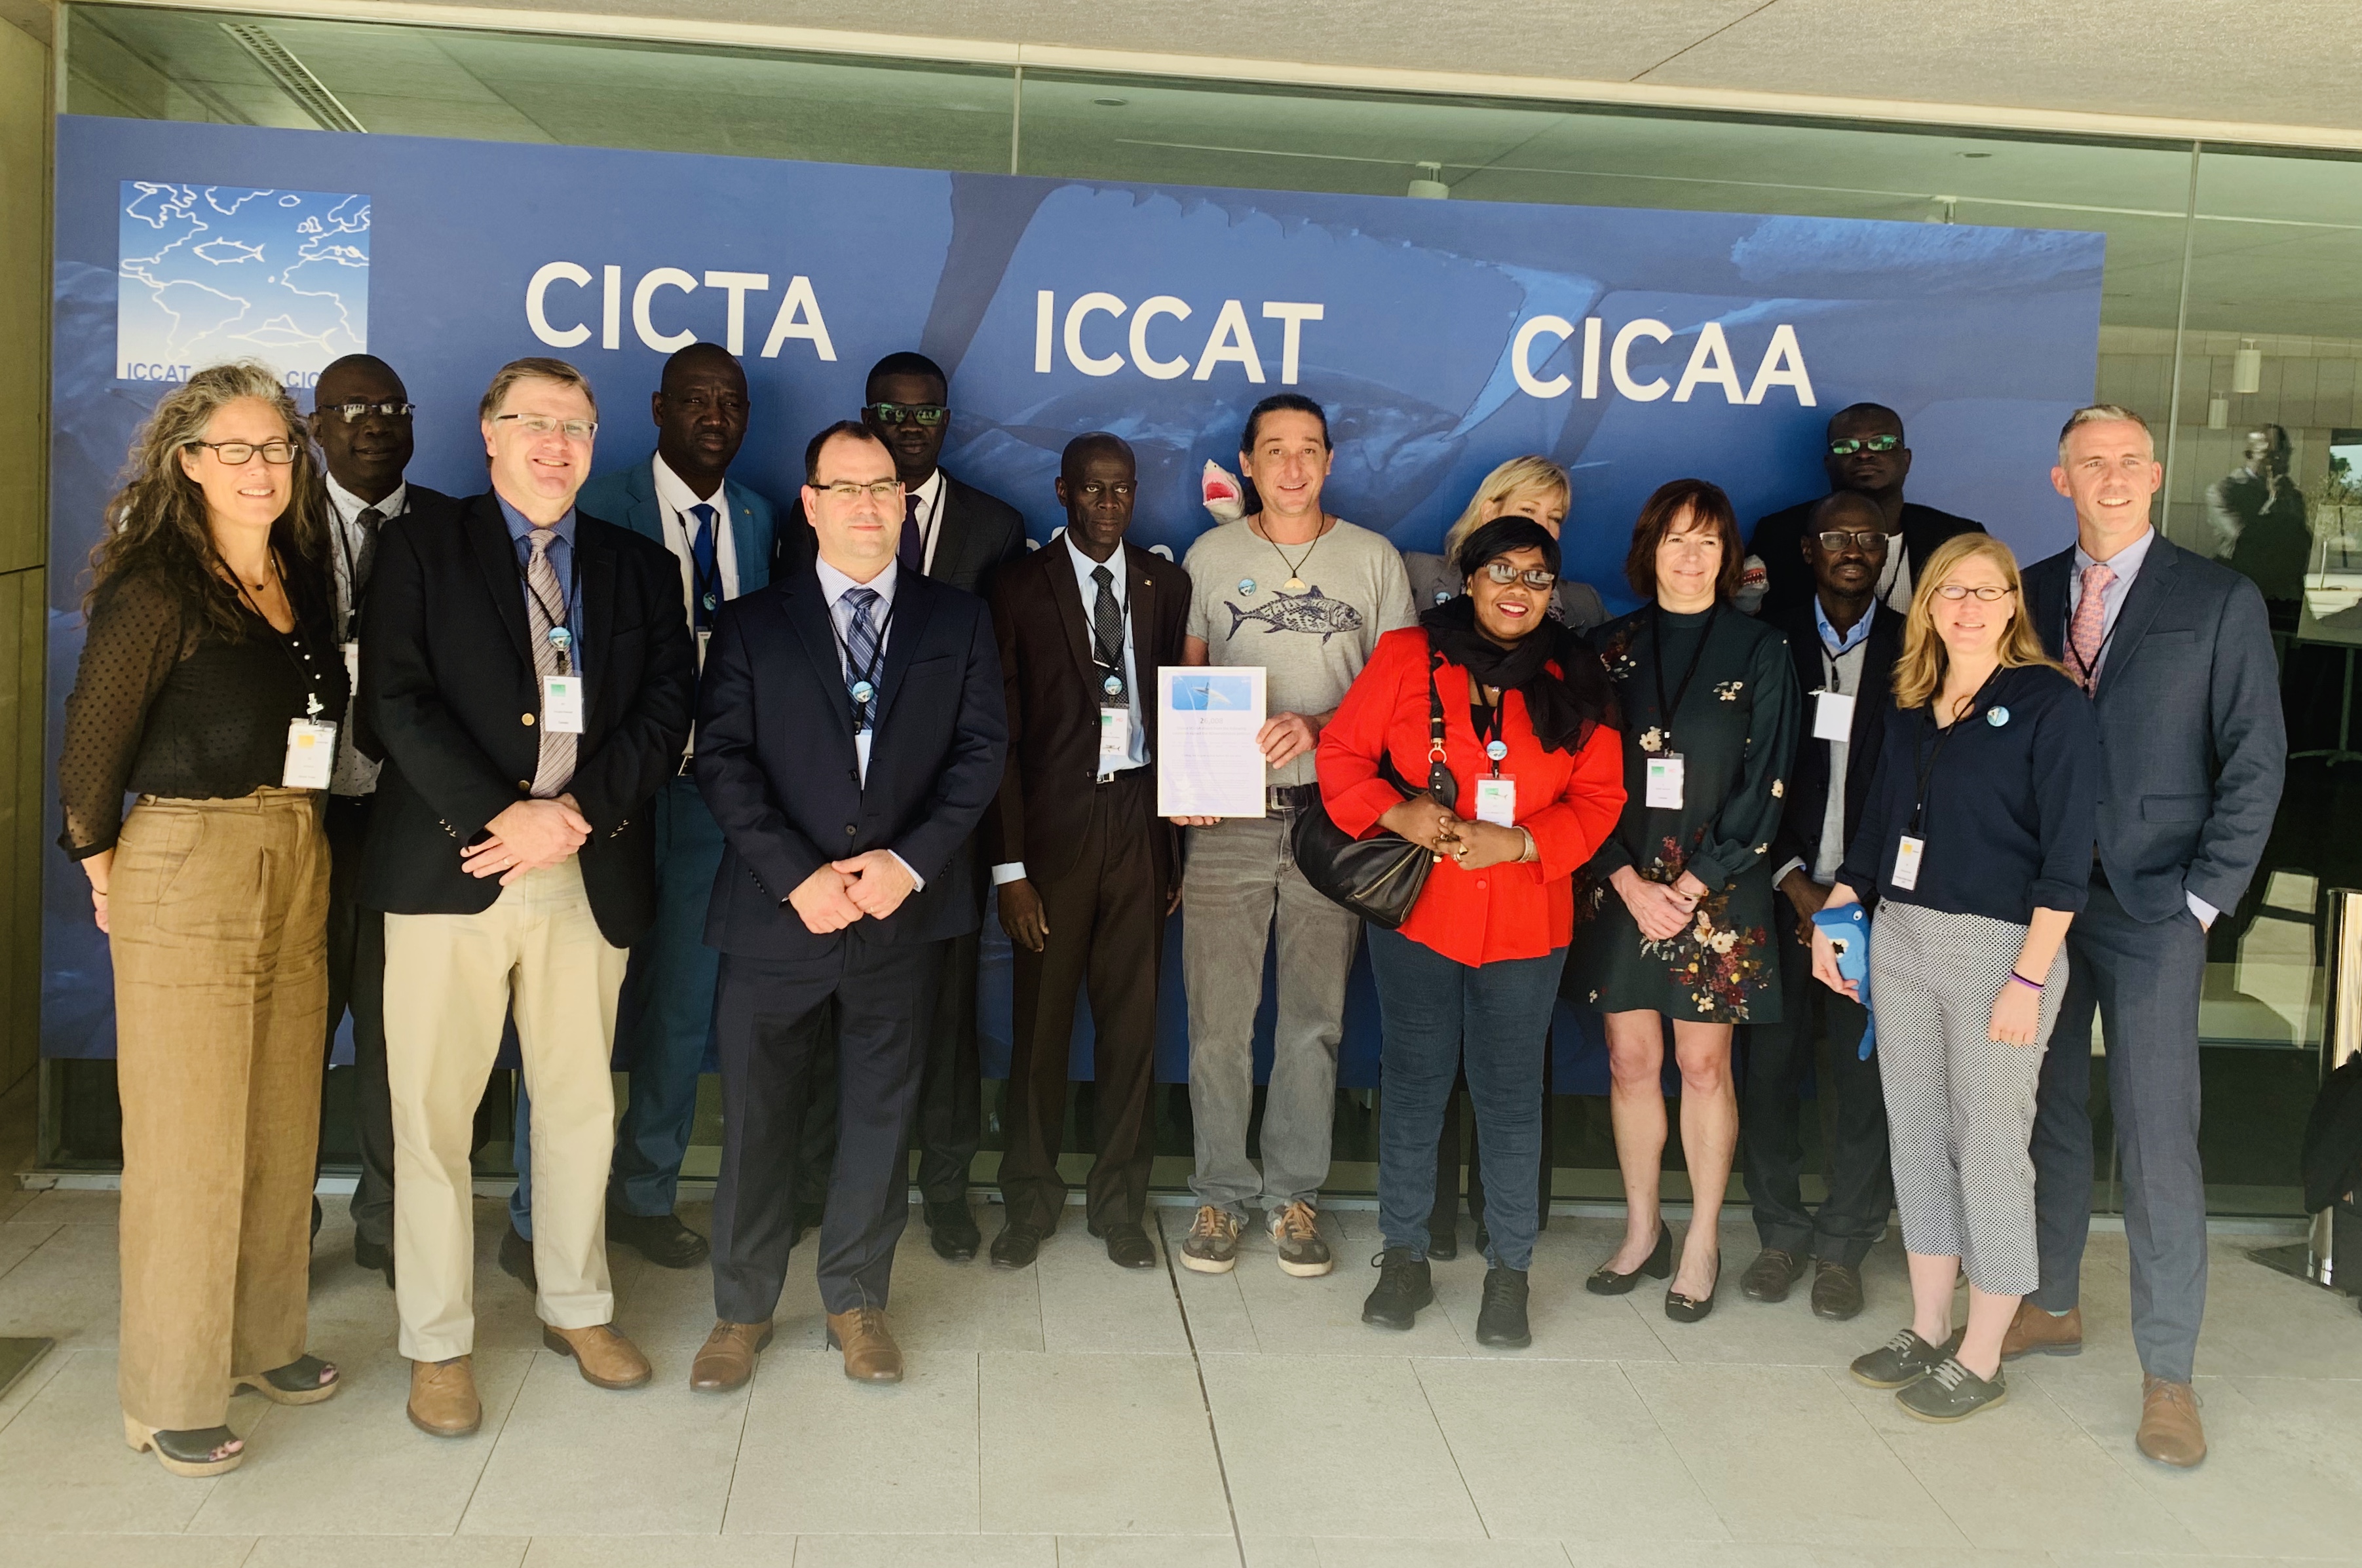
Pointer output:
1088, 586
2126, 564
833, 586
930, 508
354, 774
1895, 577
674, 497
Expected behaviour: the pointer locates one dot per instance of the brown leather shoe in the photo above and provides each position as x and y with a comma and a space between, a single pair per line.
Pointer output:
608, 1360
442, 1400
870, 1353
2170, 1428
2035, 1332
728, 1359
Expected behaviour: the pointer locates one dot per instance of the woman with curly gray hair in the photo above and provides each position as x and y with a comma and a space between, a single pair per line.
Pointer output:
210, 687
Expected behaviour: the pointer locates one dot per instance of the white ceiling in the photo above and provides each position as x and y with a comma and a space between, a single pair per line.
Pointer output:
2290, 62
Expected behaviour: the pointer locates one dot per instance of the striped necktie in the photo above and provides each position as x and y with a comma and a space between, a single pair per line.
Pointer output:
545, 609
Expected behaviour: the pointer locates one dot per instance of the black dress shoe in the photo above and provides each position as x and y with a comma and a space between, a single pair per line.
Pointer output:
1442, 1242
516, 1259
953, 1230
1770, 1277
376, 1259
1127, 1245
1016, 1247
1836, 1292
661, 1239
1404, 1287
1657, 1264
1501, 1321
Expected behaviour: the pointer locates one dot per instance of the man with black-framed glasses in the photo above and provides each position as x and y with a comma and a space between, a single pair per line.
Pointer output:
956, 534
1865, 455
361, 422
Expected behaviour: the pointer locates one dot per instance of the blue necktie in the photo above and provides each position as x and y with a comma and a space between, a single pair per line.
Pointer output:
861, 666
708, 574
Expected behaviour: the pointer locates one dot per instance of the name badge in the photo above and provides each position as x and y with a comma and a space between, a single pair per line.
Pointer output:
1906, 862
703, 637
1664, 793
1115, 736
561, 703
353, 666
311, 755
1833, 715
1496, 801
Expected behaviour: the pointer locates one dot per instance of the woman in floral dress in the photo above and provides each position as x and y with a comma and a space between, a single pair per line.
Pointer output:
1680, 896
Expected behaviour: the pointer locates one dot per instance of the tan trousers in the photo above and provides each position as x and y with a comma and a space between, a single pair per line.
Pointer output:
450, 981
220, 911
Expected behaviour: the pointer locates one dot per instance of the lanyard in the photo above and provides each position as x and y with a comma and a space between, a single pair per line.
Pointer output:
862, 689
1489, 732
1657, 630
313, 708
1926, 769
562, 618
2087, 675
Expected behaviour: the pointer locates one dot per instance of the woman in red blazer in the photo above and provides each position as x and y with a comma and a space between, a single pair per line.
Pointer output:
1475, 968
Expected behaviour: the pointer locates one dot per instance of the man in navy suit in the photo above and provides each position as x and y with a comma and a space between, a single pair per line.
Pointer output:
851, 735
720, 535
2177, 653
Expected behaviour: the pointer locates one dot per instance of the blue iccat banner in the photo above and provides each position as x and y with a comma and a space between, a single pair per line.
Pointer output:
1632, 346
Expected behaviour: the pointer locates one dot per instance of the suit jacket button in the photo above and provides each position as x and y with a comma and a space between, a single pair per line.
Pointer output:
524, 718
848, 829
526, 785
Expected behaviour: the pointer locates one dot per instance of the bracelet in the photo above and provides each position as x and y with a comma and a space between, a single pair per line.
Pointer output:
2035, 986
1532, 851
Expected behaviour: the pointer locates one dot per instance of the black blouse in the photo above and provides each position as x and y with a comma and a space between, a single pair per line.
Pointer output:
2011, 810
164, 705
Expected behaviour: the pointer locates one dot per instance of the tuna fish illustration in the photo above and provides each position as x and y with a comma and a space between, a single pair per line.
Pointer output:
1308, 612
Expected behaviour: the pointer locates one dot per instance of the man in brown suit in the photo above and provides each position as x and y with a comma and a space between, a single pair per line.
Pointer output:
1086, 870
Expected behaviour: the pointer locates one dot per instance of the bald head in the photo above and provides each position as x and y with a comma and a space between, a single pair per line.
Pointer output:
364, 443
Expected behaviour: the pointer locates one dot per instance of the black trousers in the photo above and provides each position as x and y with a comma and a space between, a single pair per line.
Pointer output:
949, 1126
1770, 1114
357, 983
1107, 933
772, 1019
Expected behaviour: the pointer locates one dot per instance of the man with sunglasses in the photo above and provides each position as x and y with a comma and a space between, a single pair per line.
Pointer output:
1865, 455
528, 673
361, 421
956, 534
1844, 643
720, 534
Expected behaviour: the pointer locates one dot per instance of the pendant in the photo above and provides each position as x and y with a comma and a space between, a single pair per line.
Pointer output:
1497, 750
1112, 685
1293, 585
863, 691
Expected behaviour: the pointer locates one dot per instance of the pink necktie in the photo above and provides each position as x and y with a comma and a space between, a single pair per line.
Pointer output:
2084, 637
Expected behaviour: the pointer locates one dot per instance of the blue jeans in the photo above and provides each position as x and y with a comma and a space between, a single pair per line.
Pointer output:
1431, 1008
666, 1020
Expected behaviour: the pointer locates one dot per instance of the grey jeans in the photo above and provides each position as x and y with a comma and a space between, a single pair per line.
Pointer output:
1240, 876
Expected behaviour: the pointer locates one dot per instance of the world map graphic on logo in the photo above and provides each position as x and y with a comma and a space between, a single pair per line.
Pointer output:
207, 273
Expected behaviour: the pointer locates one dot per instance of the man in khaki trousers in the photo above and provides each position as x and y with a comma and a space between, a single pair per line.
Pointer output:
527, 672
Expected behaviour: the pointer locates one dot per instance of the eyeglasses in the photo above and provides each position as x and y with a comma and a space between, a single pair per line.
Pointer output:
545, 425
1122, 489
1956, 591
1867, 543
876, 489
237, 454
1504, 574
927, 414
1848, 445
355, 413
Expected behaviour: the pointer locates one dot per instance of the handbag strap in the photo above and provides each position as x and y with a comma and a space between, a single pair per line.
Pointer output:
1439, 782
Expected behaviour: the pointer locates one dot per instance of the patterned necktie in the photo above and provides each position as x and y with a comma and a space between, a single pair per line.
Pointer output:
708, 574
2087, 632
1107, 622
861, 663
912, 554
545, 608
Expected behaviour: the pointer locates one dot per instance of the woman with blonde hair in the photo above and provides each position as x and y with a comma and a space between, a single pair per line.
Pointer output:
1976, 847
1531, 487
210, 687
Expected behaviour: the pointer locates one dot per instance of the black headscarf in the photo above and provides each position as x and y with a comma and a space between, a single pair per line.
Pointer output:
1562, 706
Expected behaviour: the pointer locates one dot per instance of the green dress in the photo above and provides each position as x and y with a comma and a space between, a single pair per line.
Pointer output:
1734, 726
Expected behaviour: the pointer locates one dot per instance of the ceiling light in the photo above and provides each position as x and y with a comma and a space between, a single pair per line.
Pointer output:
2248, 367
294, 77
1428, 185
2218, 413
1110, 102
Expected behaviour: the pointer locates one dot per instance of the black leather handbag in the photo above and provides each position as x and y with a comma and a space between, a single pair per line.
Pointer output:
1379, 878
